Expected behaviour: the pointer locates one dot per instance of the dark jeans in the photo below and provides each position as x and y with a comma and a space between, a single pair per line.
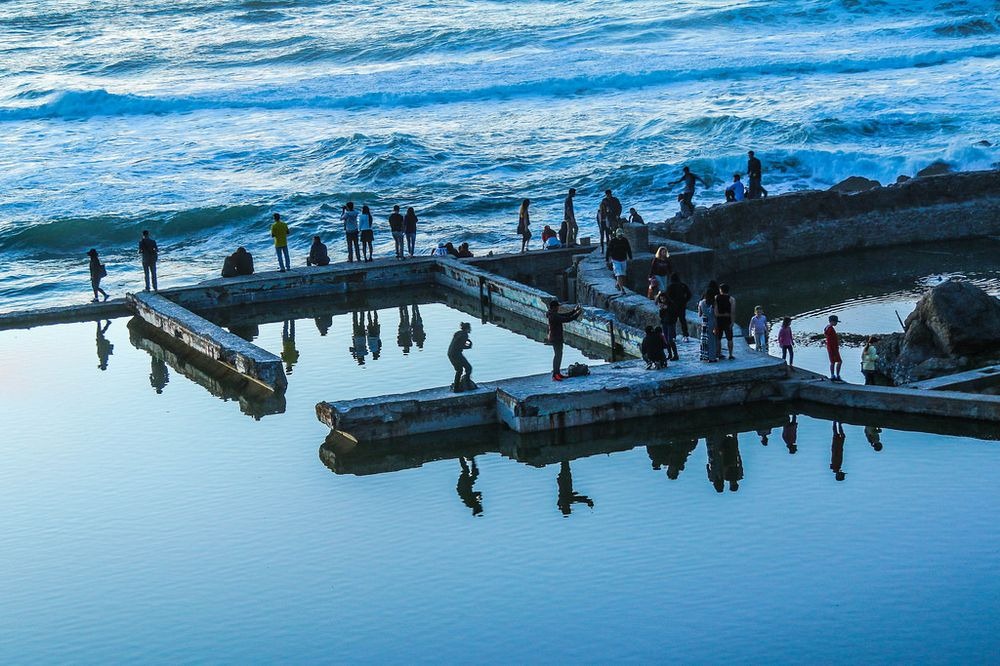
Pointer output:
411, 241
397, 237
557, 351
149, 271
683, 321
460, 363
353, 247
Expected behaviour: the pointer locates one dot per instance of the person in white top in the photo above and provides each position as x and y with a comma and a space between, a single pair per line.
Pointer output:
367, 235
758, 329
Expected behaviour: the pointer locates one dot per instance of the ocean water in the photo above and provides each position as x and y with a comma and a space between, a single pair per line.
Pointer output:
198, 118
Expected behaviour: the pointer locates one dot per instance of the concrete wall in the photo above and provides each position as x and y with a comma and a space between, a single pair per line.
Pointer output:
206, 338
754, 233
542, 269
65, 314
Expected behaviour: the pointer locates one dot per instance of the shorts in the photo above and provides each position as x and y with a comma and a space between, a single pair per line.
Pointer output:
619, 268
834, 355
725, 328
367, 236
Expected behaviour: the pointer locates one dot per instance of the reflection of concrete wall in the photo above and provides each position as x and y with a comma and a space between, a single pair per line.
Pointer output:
543, 270
209, 339
218, 379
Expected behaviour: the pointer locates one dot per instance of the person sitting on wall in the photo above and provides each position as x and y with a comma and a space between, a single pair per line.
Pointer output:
452, 251
318, 255
441, 250
547, 233
687, 208
735, 191
238, 263
464, 252
634, 217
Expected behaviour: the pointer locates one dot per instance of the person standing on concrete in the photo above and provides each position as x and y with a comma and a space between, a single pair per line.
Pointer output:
365, 227
689, 179
97, 272
758, 329
279, 231
660, 269
618, 254
459, 343
786, 341
680, 294
869, 359
609, 215
725, 312
149, 253
756, 190
396, 227
706, 310
833, 348
410, 230
318, 254
569, 218
555, 338
349, 217
524, 224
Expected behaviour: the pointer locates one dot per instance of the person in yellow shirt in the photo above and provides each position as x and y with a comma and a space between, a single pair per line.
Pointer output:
279, 231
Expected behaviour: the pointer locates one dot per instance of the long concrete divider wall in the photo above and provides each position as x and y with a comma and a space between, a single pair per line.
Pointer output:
209, 339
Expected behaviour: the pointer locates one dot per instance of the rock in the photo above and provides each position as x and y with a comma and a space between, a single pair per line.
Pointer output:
902, 179
961, 318
854, 184
983, 142
937, 168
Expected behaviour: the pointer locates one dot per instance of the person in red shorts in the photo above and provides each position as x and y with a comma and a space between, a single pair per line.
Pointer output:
833, 348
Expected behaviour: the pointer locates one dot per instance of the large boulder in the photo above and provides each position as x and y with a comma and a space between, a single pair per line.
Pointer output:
937, 168
853, 184
954, 327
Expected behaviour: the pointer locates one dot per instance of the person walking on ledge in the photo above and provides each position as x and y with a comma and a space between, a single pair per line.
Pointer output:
689, 179
459, 343
555, 337
97, 271
755, 189
617, 255
569, 218
609, 215
279, 231
524, 224
833, 348
149, 253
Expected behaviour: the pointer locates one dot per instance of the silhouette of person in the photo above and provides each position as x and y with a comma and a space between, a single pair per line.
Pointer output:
374, 334
104, 346
672, 455
568, 496
289, 354
874, 436
466, 480
248, 332
715, 466
732, 462
323, 324
456, 355
417, 328
764, 433
403, 336
159, 377
359, 349
790, 433
837, 451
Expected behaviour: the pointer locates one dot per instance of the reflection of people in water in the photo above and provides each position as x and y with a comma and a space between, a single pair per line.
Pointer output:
248, 332
417, 328
359, 350
672, 455
466, 480
790, 433
568, 496
403, 337
289, 354
874, 436
837, 451
104, 346
158, 374
724, 462
374, 334
323, 324
764, 434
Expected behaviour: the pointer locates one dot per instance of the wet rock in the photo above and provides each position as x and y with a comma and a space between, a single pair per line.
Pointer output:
854, 184
938, 168
902, 179
983, 142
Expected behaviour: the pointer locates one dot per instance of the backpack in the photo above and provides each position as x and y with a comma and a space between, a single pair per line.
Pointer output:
577, 370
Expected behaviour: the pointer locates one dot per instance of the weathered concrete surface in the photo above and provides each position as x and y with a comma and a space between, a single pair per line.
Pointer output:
950, 404
209, 339
497, 292
757, 232
217, 378
542, 269
65, 314
627, 390
532, 404
971, 380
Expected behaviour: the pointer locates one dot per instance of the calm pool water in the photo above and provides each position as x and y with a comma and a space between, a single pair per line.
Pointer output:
864, 289
168, 527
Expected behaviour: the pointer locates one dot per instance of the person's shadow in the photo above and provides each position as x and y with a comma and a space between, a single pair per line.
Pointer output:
104, 346
466, 480
567, 496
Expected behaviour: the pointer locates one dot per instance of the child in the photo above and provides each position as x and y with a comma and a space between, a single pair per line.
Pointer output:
758, 328
785, 341
653, 349
833, 348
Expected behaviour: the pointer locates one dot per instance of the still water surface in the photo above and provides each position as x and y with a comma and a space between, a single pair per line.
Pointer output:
165, 527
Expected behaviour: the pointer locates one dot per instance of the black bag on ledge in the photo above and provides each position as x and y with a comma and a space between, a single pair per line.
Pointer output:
577, 370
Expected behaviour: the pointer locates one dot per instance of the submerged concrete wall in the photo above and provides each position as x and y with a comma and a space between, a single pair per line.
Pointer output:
209, 339
754, 233
65, 314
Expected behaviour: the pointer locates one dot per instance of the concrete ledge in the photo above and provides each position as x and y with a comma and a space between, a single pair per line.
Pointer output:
970, 380
66, 314
206, 338
951, 404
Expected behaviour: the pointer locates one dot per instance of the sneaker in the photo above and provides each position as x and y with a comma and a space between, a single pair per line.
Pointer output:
105, 297
557, 377
95, 300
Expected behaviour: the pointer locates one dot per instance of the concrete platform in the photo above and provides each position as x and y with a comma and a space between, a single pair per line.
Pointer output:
971, 380
65, 314
533, 404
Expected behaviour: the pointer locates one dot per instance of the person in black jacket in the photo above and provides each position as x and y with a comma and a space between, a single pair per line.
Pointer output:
680, 294
617, 255
459, 343
318, 255
555, 337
